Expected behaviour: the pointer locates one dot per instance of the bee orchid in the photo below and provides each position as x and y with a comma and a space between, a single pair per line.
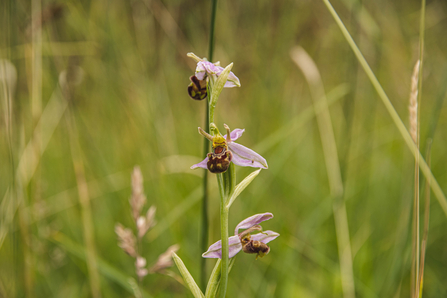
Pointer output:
225, 150
252, 244
206, 69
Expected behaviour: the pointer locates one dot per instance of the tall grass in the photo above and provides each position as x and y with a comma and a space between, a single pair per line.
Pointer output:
132, 109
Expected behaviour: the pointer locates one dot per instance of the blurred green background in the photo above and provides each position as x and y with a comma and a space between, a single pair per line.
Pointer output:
67, 151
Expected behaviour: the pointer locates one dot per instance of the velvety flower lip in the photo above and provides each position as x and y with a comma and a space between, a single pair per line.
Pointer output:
242, 156
213, 70
234, 242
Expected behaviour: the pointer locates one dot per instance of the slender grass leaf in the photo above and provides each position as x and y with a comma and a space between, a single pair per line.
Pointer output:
187, 277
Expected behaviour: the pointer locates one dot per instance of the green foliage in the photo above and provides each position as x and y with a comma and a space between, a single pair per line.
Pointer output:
132, 108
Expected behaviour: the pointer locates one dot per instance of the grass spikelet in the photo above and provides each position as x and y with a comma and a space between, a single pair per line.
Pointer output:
413, 107
138, 198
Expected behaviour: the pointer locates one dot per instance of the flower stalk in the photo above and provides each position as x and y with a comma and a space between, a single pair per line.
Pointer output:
224, 155
205, 221
224, 235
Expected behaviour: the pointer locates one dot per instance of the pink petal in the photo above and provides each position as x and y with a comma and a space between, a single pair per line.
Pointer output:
201, 164
252, 221
232, 81
235, 134
265, 237
245, 157
215, 250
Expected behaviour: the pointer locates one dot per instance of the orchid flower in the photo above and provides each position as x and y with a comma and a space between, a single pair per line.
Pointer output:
252, 244
205, 69
225, 150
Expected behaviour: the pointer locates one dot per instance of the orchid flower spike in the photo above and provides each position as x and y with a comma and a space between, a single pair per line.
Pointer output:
205, 69
252, 244
225, 150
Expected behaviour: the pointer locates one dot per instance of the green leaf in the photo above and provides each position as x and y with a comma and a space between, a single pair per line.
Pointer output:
214, 281
241, 186
187, 277
218, 86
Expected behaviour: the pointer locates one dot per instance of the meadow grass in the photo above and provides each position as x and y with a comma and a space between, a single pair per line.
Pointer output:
131, 108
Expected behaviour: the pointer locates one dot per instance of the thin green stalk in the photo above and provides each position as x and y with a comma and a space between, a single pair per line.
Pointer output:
421, 62
421, 48
214, 281
86, 209
224, 236
389, 106
205, 222
426, 224
213, 21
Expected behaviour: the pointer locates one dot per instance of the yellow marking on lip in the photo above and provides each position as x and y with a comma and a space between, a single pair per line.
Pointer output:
219, 141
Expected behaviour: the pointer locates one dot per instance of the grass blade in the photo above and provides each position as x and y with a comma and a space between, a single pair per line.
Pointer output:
241, 186
187, 277
389, 106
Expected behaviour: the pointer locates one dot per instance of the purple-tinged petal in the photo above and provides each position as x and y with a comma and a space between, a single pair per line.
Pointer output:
209, 67
252, 221
215, 250
245, 157
232, 81
235, 134
200, 71
201, 164
265, 237
212, 69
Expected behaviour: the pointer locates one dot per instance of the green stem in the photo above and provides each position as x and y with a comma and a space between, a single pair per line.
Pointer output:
224, 236
205, 222
213, 21
204, 234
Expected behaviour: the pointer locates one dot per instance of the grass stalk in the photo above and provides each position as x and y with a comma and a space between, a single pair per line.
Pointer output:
389, 106
312, 75
414, 131
426, 224
36, 83
83, 193
212, 26
416, 170
87, 222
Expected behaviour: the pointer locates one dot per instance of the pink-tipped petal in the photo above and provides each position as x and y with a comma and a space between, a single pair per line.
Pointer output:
200, 71
235, 134
265, 237
232, 81
252, 221
201, 164
245, 157
206, 67
210, 68
215, 250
